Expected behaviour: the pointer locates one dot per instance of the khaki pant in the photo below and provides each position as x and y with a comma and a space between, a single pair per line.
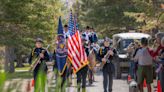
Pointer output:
145, 72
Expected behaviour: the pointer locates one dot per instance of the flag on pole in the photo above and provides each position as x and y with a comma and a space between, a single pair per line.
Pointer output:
60, 27
77, 26
61, 51
76, 52
71, 23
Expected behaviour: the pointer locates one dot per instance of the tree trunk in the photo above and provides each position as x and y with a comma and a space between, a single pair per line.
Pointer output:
9, 59
2, 56
6, 67
20, 61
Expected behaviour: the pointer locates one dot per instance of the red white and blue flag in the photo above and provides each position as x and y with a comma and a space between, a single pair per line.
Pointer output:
76, 52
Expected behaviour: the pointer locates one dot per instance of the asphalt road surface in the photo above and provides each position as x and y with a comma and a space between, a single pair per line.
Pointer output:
119, 85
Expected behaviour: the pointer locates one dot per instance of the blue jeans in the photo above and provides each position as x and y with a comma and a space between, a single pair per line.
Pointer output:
132, 69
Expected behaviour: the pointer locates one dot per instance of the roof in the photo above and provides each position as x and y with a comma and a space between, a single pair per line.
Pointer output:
132, 35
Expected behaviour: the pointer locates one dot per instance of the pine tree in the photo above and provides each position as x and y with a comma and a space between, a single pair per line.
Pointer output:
21, 21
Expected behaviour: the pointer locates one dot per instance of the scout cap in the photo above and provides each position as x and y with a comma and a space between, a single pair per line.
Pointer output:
107, 39
39, 40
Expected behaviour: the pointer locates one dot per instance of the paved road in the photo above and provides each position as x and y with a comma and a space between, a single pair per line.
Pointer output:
119, 85
20, 85
97, 86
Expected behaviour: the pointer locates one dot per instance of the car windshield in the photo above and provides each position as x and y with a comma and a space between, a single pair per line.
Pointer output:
126, 42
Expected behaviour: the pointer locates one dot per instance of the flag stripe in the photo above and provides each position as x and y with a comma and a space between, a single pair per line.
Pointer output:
74, 58
74, 54
73, 63
73, 47
80, 46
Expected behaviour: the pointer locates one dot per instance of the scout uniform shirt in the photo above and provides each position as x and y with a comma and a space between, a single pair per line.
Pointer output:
35, 53
66, 34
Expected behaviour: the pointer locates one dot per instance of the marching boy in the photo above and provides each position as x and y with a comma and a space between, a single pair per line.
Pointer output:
82, 73
108, 68
40, 70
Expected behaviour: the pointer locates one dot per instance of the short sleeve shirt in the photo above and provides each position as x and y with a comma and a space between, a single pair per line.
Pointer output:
143, 57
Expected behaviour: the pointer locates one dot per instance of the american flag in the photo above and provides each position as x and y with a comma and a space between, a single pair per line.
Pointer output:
76, 52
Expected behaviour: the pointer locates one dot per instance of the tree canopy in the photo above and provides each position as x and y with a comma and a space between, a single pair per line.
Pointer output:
21, 21
106, 15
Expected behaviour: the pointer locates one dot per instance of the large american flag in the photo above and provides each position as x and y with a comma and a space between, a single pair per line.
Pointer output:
76, 52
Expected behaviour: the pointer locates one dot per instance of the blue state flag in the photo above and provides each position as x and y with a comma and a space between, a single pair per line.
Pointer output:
61, 50
61, 57
60, 27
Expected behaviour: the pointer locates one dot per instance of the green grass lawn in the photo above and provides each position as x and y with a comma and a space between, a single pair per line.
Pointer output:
25, 68
19, 75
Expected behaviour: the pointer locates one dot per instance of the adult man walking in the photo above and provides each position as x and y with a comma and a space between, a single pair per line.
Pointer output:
145, 68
